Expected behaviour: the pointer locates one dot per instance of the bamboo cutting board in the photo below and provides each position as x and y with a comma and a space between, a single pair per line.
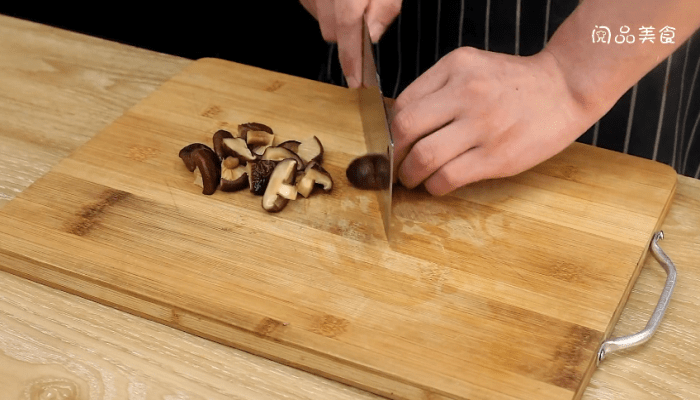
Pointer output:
502, 290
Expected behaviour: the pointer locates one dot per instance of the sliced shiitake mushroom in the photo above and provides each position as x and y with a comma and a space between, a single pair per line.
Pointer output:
314, 175
207, 170
292, 145
278, 153
186, 154
220, 148
259, 150
237, 147
250, 159
234, 175
310, 149
243, 129
280, 188
369, 172
259, 139
259, 175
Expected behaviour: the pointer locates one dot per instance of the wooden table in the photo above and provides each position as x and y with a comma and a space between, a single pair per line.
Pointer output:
58, 89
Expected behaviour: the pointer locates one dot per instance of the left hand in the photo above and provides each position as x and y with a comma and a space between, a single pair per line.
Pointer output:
341, 22
478, 115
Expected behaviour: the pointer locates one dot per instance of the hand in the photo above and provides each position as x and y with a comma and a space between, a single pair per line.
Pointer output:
341, 22
478, 115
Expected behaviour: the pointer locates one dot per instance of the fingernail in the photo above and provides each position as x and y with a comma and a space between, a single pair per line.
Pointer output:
404, 179
375, 31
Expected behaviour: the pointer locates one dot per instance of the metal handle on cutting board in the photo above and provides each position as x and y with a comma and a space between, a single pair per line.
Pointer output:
626, 342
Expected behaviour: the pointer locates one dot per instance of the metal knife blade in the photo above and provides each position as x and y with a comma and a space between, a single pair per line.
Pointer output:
375, 124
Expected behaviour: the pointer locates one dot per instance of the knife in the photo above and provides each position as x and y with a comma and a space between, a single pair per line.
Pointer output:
375, 124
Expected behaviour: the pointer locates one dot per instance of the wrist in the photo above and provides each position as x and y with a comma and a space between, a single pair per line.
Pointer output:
593, 92
582, 102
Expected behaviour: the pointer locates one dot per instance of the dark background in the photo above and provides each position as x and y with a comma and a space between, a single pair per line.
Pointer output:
275, 35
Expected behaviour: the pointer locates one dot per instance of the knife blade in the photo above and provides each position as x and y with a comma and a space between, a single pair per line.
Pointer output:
375, 125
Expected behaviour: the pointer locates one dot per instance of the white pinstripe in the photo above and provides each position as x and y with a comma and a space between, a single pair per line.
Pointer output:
680, 102
461, 24
437, 32
596, 129
663, 109
687, 110
690, 143
630, 117
398, 72
418, 43
330, 57
487, 24
517, 26
546, 23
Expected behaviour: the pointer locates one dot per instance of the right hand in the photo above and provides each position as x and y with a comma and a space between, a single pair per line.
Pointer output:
480, 115
341, 22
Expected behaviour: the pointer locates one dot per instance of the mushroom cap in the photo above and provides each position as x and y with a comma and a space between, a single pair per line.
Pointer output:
208, 167
218, 139
292, 145
369, 172
186, 154
278, 153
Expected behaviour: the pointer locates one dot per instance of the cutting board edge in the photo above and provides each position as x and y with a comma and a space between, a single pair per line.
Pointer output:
613, 321
356, 375
640, 263
219, 61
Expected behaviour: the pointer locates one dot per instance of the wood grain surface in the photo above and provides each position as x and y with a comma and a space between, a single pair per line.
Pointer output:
502, 290
54, 340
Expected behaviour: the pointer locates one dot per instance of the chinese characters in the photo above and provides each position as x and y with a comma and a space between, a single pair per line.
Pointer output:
644, 34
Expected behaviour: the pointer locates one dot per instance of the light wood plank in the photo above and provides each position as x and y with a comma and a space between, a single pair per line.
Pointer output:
120, 222
146, 367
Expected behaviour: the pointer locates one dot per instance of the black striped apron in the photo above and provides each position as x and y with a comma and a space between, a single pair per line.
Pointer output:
657, 119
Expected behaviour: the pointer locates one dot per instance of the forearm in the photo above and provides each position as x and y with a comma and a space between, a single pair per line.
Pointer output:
599, 73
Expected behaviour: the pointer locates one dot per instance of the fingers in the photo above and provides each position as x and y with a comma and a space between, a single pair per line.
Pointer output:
471, 166
349, 16
380, 14
418, 119
325, 14
341, 22
310, 6
429, 82
429, 154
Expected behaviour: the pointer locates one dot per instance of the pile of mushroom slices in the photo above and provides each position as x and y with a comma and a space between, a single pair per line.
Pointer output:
251, 160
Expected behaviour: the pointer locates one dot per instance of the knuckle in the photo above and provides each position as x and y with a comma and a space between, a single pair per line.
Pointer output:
424, 154
328, 35
349, 12
449, 179
460, 56
507, 163
394, 7
401, 102
403, 123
